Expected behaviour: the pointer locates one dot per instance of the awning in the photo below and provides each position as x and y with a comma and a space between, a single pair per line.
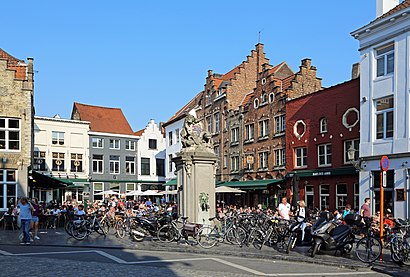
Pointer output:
324, 172
39, 180
171, 182
251, 184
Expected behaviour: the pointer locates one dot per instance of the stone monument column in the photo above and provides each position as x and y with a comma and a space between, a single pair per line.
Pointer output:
195, 168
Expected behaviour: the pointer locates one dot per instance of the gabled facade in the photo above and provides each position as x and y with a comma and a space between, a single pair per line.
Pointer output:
384, 107
16, 127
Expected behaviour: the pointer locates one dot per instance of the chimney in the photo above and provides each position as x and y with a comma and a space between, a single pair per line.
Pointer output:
355, 71
209, 73
383, 6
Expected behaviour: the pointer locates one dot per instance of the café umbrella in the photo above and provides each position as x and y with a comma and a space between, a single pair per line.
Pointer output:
110, 192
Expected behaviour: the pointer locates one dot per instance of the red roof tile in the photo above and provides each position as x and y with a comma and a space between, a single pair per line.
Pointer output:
15, 64
230, 74
287, 82
104, 119
139, 133
275, 68
247, 98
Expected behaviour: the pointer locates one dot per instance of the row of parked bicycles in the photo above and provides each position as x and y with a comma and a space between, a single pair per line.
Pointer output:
322, 233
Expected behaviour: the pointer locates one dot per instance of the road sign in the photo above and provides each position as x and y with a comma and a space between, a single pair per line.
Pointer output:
384, 163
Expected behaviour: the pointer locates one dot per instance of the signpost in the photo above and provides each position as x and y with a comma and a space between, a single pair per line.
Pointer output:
384, 166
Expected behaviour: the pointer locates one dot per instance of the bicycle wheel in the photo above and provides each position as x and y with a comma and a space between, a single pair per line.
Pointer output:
167, 233
368, 249
236, 236
120, 229
207, 237
79, 231
99, 229
257, 238
291, 242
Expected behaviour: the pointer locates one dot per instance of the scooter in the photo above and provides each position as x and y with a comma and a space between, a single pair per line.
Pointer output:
335, 236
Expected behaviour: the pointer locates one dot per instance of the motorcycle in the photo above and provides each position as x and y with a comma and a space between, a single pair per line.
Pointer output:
143, 227
335, 236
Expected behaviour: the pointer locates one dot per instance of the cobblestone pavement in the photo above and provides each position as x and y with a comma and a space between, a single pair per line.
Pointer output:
60, 238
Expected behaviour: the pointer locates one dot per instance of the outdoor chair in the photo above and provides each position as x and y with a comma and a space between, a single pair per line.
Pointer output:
9, 220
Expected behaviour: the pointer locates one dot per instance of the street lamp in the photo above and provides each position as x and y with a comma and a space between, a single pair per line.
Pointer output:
350, 155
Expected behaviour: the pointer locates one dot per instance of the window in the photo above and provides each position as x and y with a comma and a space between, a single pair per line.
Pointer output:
177, 135
234, 164
114, 144
280, 124
384, 118
152, 144
256, 103
280, 157
309, 197
264, 98
325, 155
301, 157
235, 135
57, 138
341, 196
209, 124
323, 125
145, 166
208, 98
271, 97
114, 164
97, 188
263, 160
130, 187
76, 162
217, 122
130, 165
249, 132
385, 60
356, 196
130, 145
40, 160
226, 122
160, 167
98, 162
97, 142
263, 128
9, 134
170, 163
348, 144
58, 162
170, 138
324, 197
225, 161
216, 150
8, 188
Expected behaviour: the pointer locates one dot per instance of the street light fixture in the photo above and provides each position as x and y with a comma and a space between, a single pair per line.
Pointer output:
351, 156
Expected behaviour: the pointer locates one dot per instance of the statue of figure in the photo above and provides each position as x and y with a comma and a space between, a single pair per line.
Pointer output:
193, 135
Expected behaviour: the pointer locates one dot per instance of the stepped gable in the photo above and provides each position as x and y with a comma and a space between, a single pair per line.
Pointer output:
102, 119
15, 64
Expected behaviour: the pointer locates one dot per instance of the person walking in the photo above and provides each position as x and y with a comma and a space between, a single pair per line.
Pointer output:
25, 216
301, 217
35, 217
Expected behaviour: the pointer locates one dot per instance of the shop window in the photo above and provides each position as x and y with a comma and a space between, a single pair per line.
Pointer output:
341, 196
324, 197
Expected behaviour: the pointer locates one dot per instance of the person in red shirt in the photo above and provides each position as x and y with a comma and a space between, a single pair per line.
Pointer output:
365, 209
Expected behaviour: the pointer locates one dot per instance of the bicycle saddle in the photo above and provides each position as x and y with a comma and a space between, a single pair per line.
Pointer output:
212, 218
184, 217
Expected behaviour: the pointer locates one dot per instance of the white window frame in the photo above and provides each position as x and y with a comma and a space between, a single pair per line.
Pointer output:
263, 128
209, 123
6, 129
384, 113
130, 145
99, 163
234, 163
347, 143
115, 144
57, 138
217, 122
340, 196
225, 161
130, 166
98, 191
280, 124
115, 165
356, 192
3, 185
322, 207
97, 142
300, 157
327, 154
39, 159
382, 54
310, 193
149, 166
235, 135
323, 125
177, 135
280, 157
61, 158
170, 140
249, 132
170, 164
77, 158
263, 160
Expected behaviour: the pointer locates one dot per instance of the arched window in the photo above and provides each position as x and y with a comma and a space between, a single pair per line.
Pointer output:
264, 98
271, 97
323, 125
256, 103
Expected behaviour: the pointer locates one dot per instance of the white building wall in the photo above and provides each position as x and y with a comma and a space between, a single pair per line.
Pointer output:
392, 29
151, 131
175, 147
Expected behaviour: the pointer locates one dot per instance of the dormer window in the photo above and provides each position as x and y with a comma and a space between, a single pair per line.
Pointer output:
208, 98
271, 97
256, 103
323, 125
220, 92
263, 81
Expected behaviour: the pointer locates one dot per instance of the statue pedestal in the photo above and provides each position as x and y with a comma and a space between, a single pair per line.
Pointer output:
196, 184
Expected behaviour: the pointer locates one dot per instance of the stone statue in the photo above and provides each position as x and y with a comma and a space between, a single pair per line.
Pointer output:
194, 137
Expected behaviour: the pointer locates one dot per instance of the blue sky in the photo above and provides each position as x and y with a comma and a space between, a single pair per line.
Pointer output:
151, 57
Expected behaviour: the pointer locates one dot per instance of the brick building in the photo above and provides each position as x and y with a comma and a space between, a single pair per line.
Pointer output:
16, 127
320, 128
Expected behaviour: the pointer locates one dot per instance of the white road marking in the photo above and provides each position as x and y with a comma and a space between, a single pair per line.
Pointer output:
219, 260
